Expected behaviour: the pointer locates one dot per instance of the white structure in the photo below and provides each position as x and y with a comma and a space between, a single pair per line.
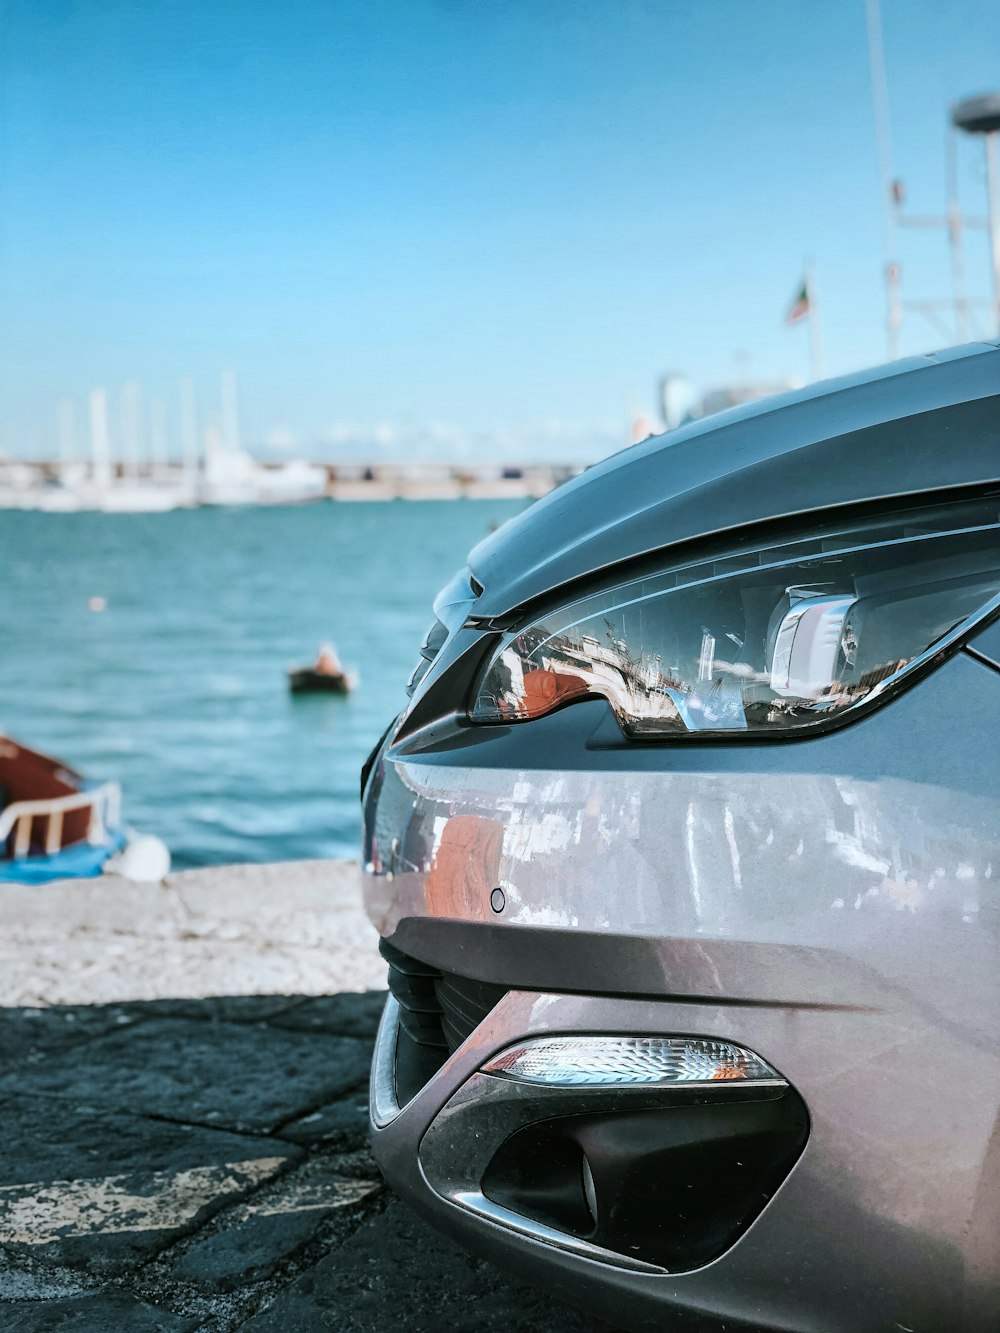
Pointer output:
147, 481
232, 477
230, 412
190, 453
100, 441
66, 425
130, 408
159, 449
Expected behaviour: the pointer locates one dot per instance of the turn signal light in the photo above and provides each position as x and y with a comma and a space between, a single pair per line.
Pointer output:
608, 1061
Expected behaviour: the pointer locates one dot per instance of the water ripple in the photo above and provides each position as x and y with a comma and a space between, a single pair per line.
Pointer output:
178, 688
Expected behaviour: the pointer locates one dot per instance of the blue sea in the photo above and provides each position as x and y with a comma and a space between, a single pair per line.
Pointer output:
178, 690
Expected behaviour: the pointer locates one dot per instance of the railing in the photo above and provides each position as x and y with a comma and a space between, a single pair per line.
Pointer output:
104, 803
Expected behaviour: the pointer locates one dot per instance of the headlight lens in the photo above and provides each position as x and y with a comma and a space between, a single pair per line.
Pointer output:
763, 639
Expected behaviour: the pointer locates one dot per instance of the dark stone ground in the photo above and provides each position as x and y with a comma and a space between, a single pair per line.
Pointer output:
203, 1164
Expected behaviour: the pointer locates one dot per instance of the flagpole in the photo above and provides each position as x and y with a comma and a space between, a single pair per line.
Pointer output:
816, 358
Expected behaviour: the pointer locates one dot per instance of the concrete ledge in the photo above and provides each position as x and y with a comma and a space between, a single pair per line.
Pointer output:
292, 928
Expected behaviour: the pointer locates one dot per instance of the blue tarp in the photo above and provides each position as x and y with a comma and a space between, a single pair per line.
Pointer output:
81, 861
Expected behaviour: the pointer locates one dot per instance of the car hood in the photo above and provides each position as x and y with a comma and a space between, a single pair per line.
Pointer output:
913, 426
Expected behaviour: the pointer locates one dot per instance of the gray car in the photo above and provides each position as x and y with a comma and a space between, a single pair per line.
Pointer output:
685, 856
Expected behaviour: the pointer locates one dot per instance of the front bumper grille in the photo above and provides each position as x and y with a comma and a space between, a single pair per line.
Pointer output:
437, 1010
464, 1004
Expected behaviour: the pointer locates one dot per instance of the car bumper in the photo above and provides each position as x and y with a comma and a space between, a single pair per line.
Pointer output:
831, 905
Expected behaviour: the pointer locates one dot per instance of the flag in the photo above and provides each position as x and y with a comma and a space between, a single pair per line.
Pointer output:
800, 307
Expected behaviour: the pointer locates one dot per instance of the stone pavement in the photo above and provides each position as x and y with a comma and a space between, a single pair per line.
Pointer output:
200, 1160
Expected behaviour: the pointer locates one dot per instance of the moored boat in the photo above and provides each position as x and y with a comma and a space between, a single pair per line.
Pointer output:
325, 676
55, 824
307, 680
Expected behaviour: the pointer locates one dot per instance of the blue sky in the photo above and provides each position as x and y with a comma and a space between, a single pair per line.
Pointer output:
457, 219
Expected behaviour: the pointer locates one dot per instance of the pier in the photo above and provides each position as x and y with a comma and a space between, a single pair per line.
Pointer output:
54, 487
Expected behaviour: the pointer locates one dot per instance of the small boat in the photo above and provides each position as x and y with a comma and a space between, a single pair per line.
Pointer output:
307, 680
325, 676
55, 824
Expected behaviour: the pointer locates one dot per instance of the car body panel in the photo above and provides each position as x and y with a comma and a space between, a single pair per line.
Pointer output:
870, 1231
922, 424
803, 846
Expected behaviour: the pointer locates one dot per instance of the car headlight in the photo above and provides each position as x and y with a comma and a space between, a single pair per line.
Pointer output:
765, 638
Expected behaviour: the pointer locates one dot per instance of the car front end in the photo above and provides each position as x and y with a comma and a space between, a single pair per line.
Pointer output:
684, 855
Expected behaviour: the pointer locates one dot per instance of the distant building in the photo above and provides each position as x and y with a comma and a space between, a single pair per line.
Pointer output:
680, 402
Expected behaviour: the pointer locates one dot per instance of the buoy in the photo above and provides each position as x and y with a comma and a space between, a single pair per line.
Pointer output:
97, 603
144, 860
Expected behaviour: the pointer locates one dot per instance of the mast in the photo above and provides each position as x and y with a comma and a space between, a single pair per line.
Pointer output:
99, 439
66, 426
131, 427
817, 360
158, 445
230, 412
189, 433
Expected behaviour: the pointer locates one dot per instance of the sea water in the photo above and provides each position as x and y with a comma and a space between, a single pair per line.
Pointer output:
177, 689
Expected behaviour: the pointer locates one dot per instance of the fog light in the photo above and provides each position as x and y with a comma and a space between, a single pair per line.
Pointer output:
688, 1062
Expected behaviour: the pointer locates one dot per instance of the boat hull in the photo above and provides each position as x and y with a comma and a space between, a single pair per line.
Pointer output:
304, 680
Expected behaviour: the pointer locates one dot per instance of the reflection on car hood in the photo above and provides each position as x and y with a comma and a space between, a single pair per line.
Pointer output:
913, 426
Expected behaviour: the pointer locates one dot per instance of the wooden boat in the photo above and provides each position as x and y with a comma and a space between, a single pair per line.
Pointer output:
57, 824
53, 823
